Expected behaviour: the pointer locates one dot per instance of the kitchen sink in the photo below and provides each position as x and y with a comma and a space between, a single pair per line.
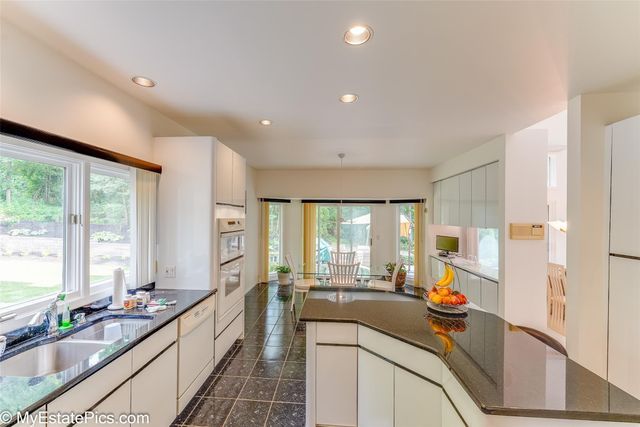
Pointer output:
113, 329
49, 358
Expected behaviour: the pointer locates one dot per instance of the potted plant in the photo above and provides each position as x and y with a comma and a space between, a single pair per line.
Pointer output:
402, 274
283, 274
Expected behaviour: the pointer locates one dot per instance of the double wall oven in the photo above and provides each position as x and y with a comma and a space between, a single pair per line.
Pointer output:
231, 271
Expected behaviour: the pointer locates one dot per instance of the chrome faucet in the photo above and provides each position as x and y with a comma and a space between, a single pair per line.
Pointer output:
48, 316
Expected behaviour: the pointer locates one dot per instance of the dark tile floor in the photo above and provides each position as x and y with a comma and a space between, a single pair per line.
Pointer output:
261, 380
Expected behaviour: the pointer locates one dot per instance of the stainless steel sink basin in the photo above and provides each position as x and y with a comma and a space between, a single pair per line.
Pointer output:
49, 358
111, 330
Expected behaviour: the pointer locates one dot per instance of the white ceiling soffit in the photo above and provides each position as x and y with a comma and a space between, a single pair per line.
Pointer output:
436, 79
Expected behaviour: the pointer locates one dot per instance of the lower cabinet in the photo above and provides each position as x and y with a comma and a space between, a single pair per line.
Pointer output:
375, 391
336, 385
417, 401
117, 403
450, 417
489, 296
474, 289
35, 421
153, 390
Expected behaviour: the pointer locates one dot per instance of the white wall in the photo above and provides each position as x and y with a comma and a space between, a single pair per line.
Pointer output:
525, 261
587, 234
347, 183
46, 90
252, 233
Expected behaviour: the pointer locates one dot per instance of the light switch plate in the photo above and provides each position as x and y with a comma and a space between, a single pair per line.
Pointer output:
170, 271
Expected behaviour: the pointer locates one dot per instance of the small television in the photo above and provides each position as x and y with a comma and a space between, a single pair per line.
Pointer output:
446, 245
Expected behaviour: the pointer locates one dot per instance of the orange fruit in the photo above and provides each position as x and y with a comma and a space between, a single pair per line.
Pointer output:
443, 292
437, 299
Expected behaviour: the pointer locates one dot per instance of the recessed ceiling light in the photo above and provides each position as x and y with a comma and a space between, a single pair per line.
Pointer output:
143, 81
265, 122
349, 98
358, 34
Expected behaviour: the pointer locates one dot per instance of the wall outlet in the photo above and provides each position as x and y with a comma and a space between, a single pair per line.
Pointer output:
170, 271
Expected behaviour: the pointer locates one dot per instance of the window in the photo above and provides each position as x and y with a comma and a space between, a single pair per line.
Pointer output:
33, 232
47, 245
407, 236
488, 247
552, 170
109, 224
275, 236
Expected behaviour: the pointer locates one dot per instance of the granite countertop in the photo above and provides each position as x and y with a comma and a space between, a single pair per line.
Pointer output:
489, 273
503, 369
30, 393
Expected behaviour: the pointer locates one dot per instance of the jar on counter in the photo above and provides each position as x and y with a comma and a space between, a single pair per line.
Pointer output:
130, 302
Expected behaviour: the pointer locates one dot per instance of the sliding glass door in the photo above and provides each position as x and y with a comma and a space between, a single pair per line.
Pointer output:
345, 228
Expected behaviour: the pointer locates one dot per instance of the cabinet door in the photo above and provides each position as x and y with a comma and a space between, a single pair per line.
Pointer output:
450, 417
461, 281
624, 324
154, 389
465, 199
117, 403
478, 197
375, 391
474, 289
489, 296
450, 198
239, 179
417, 401
625, 187
437, 202
224, 174
36, 419
492, 196
336, 385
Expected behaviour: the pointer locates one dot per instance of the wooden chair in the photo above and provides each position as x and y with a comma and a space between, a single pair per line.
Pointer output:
343, 257
299, 285
384, 284
556, 297
343, 274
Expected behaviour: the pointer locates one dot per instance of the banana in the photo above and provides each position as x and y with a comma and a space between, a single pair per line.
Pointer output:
448, 277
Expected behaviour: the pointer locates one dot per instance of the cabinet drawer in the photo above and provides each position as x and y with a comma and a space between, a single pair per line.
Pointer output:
86, 394
419, 361
118, 403
153, 345
337, 333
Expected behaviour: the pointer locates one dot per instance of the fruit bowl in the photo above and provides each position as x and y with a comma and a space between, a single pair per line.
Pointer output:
448, 308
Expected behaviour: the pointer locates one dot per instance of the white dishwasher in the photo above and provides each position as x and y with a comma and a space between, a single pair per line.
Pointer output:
195, 349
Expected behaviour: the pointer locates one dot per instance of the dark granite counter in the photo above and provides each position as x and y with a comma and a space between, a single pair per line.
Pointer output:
30, 393
503, 369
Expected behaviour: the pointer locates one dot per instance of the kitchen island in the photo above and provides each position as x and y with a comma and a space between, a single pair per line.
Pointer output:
380, 358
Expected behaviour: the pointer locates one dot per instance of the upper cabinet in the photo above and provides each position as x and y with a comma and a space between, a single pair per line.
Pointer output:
469, 199
231, 171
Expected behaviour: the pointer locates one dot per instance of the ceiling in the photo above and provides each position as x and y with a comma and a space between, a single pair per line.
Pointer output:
436, 79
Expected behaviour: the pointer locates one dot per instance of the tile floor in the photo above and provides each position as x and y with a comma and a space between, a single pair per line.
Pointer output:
261, 380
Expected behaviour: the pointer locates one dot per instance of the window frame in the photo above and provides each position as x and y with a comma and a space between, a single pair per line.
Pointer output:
272, 274
76, 245
412, 242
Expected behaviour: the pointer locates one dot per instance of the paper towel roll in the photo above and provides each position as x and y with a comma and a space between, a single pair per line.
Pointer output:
117, 300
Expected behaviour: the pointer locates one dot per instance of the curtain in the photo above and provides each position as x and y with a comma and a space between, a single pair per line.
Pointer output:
264, 264
309, 238
418, 261
146, 204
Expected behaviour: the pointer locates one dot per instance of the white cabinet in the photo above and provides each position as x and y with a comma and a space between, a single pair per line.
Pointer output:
461, 281
474, 289
117, 403
336, 385
153, 390
492, 184
375, 391
465, 200
450, 417
231, 169
238, 181
624, 324
450, 201
437, 202
417, 401
625, 188
224, 174
478, 197
489, 295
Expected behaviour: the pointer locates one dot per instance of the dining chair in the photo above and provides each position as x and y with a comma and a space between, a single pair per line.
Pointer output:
343, 257
343, 274
385, 284
299, 285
